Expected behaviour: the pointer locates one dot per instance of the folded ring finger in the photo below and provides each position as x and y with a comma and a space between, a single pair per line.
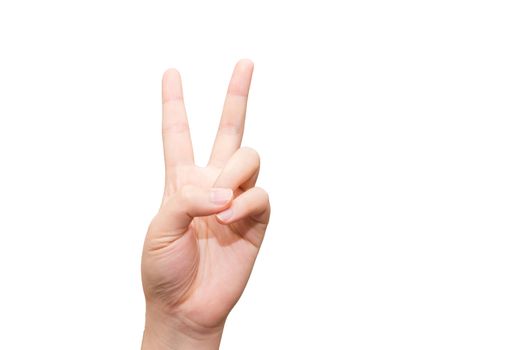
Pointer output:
240, 171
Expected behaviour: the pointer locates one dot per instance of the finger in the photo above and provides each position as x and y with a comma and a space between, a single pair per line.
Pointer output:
187, 203
240, 171
175, 128
231, 128
254, 204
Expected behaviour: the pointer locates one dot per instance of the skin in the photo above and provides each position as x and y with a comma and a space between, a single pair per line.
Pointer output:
200, 247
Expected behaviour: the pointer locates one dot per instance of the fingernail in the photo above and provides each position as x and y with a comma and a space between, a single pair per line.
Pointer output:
221, 195
225, 215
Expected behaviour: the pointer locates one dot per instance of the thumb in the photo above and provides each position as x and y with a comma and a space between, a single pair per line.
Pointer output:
190, 201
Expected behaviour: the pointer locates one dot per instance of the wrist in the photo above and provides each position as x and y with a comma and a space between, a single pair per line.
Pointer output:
166, 332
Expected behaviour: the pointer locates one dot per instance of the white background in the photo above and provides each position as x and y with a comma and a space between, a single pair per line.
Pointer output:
391, 137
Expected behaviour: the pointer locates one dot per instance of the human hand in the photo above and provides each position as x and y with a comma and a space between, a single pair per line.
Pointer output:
201, 246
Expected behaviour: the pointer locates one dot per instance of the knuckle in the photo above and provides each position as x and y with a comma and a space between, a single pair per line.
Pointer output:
230, 128
175, 127
262, 194
252, 155
262, 208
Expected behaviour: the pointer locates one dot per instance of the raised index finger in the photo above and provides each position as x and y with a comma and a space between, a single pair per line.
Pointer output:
178, 149
231, 128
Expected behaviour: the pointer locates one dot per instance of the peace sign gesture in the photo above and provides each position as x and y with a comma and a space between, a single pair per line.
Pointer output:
201, 246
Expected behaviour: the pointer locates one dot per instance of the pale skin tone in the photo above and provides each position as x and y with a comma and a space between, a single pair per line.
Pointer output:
201, 246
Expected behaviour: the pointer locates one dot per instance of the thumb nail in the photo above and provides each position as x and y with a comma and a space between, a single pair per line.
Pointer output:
220, 195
